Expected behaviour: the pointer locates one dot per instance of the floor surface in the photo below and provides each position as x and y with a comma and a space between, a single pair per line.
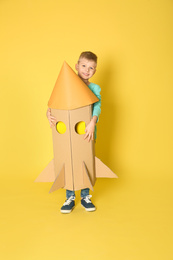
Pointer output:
133, 221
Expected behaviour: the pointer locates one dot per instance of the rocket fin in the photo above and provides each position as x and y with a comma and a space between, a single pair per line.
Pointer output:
102, 171
59, 181
48, 174
86, 177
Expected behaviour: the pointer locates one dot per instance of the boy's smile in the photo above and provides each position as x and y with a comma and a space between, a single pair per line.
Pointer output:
86, 69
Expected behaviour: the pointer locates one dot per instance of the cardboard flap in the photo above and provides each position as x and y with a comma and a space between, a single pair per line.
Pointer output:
86, 177
59, 181
102, 171
48, 174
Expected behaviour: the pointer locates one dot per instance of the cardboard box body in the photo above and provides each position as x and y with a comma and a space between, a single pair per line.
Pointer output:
72, 152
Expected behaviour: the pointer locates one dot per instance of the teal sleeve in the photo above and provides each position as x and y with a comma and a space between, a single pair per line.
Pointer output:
97, 105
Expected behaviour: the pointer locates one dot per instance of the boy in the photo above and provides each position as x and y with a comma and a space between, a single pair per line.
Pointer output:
86, 68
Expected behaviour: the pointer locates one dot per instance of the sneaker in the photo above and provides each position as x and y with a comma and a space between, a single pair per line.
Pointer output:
68, 205
87, 204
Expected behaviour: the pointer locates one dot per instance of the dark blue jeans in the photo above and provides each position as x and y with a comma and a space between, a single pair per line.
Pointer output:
70, 193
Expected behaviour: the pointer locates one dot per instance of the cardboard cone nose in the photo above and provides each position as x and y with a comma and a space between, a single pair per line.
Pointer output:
70, 92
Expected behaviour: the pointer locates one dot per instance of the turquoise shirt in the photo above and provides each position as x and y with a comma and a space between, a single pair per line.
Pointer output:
96, 106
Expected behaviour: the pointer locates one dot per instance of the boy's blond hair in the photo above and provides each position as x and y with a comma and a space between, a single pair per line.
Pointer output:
88, 55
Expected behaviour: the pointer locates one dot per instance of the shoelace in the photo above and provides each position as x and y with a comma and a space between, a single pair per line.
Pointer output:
68, 201
87, 198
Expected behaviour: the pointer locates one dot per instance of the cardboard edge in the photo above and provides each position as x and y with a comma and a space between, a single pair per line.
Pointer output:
59, 181
102, 171
48, 174
86, 177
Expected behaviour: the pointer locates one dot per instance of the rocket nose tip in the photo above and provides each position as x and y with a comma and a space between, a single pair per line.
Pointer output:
65, 65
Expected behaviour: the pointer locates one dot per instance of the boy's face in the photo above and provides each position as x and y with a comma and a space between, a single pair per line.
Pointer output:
86, 68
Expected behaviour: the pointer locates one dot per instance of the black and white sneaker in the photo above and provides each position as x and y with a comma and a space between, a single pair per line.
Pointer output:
87, 204
68, 205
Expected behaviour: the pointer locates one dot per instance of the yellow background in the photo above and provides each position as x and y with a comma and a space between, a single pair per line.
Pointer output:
133, 41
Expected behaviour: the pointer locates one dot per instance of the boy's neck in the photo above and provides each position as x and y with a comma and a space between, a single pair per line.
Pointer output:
86, 81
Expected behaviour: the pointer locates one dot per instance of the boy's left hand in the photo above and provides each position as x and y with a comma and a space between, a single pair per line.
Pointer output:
89, 130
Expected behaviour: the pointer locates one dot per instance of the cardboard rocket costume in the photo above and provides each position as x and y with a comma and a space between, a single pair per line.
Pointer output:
74, 166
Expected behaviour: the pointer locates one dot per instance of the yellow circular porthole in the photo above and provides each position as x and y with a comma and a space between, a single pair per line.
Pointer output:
61, 127
80, 128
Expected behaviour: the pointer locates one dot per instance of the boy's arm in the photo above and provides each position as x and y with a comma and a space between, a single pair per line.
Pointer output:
52, 119
89, 130
97, 105
95, 115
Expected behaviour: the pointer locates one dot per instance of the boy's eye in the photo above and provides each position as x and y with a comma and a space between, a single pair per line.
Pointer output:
83, 65
91, 68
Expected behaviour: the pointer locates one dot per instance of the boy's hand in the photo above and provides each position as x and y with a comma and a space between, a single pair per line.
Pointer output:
89, 130
52, 119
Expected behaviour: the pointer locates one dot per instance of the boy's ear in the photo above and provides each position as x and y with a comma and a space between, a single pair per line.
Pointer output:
76, 66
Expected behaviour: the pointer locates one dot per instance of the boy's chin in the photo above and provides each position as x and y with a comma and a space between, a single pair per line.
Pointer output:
84, 78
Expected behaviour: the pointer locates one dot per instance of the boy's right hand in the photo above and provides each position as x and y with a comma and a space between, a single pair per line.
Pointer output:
52, 119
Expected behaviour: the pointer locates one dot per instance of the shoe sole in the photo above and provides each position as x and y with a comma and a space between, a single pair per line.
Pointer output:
89, 209
66, 211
